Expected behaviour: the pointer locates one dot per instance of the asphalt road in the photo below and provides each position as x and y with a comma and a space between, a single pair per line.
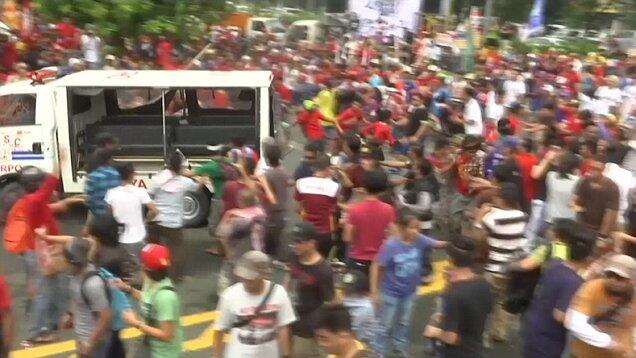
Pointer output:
199, 296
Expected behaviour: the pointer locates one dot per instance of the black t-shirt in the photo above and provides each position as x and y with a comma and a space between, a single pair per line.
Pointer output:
448, 126
466, 306
416, 118
313, 286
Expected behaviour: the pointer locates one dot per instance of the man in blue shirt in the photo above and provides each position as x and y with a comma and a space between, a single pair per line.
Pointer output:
543, 332
99, 181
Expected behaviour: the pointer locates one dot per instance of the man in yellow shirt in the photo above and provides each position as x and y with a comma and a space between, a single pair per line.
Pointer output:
326, 100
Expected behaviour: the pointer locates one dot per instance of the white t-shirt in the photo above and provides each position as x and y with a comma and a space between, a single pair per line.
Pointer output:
92, 47
169, 192
127, 202
494, 111
625, 181
610, 96
473, 123
559, 196
257, 338
513, 90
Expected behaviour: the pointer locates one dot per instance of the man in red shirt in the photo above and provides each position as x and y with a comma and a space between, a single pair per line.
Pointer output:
368, 222
515, 117
310, 119
69, 34
351, 117
317, 198
7, 327
379, 129
527, 160
9, 53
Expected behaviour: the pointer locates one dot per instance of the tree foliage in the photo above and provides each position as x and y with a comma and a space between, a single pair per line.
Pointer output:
115, 19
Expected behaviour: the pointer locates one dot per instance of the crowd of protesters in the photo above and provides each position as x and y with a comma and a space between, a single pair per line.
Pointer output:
522, 171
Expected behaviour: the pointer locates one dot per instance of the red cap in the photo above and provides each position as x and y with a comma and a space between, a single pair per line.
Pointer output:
155, 257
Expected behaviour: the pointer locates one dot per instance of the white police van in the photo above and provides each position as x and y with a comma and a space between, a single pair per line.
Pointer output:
150, 113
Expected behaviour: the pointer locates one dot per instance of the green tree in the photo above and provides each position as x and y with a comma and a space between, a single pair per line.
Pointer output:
116, 19
581, 13
515, 11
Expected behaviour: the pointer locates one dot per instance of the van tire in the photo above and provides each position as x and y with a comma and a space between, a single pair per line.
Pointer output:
196, 207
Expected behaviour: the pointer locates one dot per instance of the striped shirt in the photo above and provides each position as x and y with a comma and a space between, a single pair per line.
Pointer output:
97, 185
506, 240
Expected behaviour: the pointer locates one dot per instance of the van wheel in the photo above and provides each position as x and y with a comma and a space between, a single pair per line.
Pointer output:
196, 206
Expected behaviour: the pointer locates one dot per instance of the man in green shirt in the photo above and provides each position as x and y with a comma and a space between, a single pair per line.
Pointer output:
214, 169
159, 306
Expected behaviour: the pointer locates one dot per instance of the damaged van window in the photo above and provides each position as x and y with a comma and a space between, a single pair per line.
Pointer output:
226, 98
138, 97
131, 99
17, 110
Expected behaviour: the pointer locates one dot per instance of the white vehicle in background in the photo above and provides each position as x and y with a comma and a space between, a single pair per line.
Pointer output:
307, 32
262, 26
150, 113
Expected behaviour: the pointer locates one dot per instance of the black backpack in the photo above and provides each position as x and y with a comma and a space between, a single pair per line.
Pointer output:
9, 195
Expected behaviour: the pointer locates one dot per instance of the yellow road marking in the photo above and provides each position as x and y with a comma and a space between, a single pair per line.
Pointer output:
438, 283
206, 339
128, 333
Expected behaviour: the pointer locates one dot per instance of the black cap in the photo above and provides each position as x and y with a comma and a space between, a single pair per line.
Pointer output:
304, 231
31, 178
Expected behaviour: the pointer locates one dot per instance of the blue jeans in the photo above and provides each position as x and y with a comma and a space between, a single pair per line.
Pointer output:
535, 231
395, 319
49, 305
50, 302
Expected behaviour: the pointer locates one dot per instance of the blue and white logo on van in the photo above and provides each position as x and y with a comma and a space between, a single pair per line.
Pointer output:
25, 155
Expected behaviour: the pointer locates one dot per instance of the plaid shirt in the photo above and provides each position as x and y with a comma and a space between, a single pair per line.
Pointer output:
97, 184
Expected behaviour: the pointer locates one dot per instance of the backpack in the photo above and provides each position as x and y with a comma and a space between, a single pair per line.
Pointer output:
17, 231
117, 299
9, 195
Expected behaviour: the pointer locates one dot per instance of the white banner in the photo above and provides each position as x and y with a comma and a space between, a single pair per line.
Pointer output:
386, 17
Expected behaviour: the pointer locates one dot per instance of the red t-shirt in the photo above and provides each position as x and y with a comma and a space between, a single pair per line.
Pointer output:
231, 194
526, 161
69, 35
370, 218
286, 93
515, 123
9, 55
318, 198
310, 120
355, 172
38, 210
5, 295
381, 131
349, 118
